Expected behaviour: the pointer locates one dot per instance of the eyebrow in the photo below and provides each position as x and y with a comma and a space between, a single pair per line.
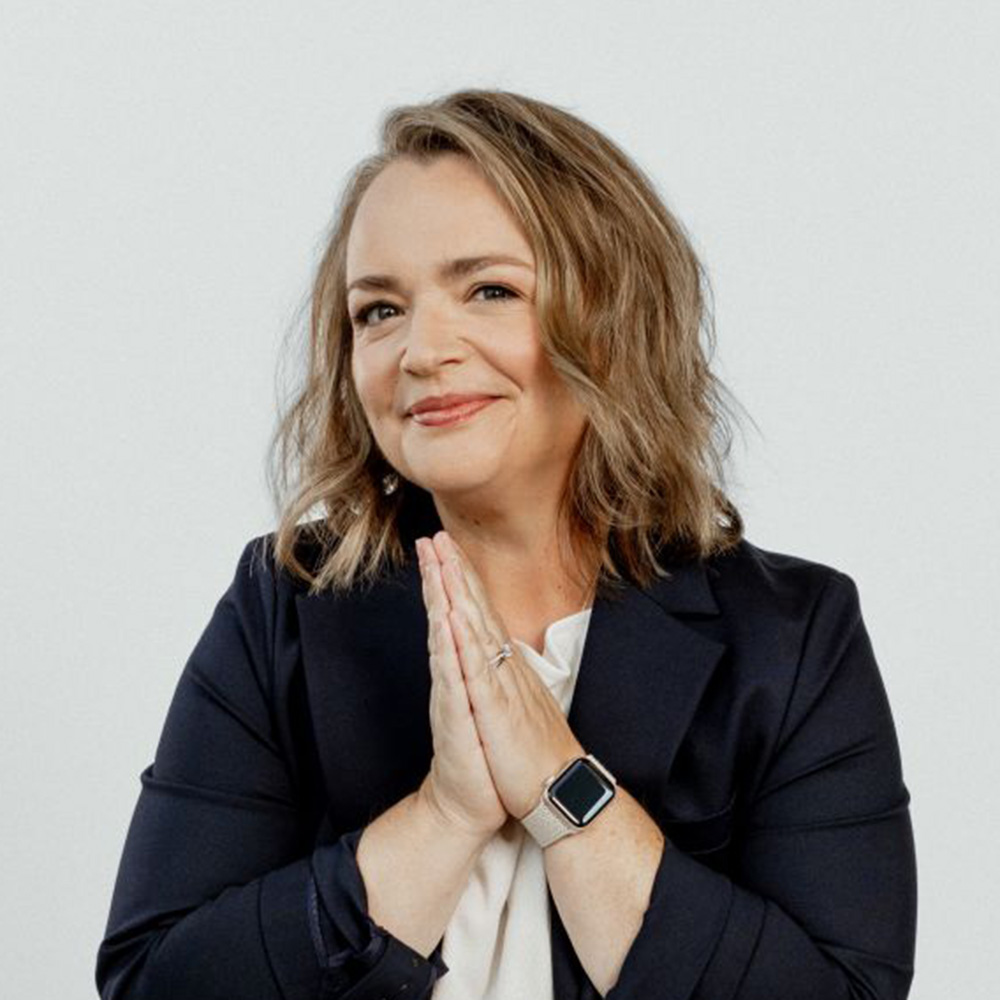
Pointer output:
448, 270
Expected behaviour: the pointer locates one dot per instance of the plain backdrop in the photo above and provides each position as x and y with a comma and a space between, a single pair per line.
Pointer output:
167, 175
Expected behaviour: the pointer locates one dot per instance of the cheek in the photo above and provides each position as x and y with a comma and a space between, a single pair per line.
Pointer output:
373, 383
558, 410
524, 362
540, 378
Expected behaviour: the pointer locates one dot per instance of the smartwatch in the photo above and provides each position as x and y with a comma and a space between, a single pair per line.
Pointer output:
570, 800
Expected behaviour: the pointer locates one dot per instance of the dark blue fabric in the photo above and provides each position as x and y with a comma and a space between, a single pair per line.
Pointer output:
215, 896
738, 700
347, 940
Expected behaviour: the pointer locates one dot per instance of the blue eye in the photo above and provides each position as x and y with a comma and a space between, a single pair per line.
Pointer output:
360, 318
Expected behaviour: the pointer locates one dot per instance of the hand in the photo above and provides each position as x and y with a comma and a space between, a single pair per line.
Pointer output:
522, 728
459, 787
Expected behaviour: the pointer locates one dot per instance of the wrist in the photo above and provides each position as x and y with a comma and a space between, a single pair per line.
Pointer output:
571, 799
437, 816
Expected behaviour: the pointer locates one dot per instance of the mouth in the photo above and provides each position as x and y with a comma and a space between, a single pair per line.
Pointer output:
460, 413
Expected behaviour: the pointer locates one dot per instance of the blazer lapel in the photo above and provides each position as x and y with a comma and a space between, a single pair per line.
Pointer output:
642, 673
365, 663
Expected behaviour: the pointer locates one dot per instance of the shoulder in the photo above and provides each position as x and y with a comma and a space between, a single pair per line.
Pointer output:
766, 578
776, 601
261, 620
257, 566
261, 593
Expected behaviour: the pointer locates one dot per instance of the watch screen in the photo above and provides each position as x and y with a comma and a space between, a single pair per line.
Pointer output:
580, 793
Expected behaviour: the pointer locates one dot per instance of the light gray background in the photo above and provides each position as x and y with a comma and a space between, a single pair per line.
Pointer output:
168, 171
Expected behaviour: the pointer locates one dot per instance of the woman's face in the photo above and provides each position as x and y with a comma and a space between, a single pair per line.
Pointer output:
423, 331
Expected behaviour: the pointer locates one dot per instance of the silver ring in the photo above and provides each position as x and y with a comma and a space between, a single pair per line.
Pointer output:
505, 651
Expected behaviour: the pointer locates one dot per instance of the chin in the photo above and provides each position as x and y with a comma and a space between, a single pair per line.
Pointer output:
454, 476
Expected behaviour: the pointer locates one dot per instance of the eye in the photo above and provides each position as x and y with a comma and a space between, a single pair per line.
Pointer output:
503, 288
361, 316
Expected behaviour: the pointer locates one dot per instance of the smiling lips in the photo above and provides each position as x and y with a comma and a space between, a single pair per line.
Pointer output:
451, 414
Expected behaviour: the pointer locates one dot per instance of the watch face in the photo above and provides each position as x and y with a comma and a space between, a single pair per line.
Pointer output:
581, 792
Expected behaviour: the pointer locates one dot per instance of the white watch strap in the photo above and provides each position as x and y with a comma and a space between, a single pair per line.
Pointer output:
545, 825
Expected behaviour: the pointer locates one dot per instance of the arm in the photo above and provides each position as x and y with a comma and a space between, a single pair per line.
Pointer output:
823, 906
219, 892
601, 881
415, 865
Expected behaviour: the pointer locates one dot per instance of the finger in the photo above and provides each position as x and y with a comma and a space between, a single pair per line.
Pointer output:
425, 586
449, 547
471, 656
487, 625
441, 602
447, 669
430, 568
484, 635
487, 631
440, 640
448, 553
488, 637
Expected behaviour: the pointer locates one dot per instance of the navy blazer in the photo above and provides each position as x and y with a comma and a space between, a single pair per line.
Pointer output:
738, 701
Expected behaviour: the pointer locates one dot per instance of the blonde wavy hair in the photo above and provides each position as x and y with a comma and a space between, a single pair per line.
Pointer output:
621, 309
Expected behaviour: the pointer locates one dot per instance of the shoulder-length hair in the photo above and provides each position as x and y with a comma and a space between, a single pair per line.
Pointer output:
621, 311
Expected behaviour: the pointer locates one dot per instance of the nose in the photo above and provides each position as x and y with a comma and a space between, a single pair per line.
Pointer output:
431, 339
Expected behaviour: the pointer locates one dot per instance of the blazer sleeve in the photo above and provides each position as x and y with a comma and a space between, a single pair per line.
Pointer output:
822, 905
218, 893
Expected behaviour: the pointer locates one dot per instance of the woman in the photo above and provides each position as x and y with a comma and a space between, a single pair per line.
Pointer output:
522, 714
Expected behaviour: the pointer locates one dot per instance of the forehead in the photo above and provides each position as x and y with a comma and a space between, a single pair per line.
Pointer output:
440, 208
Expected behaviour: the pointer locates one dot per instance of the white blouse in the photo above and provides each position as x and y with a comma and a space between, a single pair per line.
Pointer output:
497, 943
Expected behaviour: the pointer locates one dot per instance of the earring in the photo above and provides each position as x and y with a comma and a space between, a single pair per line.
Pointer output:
390, 481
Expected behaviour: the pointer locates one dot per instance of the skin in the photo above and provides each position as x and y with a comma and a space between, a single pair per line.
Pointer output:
497, 479
496, 570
